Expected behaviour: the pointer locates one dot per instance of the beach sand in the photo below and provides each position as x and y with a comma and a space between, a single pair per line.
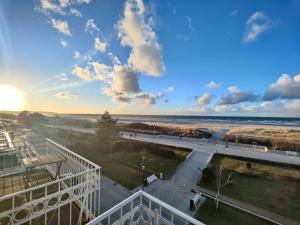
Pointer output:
274, 137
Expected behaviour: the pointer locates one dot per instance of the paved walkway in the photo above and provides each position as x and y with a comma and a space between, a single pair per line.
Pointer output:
176, 191
262, 213
111, 193
203, 146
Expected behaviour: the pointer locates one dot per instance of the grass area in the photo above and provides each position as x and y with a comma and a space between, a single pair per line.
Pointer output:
124, 165
272, 187
133, 152
225, 215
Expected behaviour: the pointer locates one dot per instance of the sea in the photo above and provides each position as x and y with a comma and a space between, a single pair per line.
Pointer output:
271, 121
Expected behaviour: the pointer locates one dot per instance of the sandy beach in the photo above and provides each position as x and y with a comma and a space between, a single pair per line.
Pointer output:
274, 137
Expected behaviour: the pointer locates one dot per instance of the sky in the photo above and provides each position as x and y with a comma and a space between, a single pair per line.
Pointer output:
208, 57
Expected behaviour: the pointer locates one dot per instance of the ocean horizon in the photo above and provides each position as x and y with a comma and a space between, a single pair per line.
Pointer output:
186, 119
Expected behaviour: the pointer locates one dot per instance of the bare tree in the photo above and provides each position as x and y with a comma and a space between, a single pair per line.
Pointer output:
219, 185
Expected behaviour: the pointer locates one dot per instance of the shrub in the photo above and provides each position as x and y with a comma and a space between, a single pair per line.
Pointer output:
248, 165
208, 175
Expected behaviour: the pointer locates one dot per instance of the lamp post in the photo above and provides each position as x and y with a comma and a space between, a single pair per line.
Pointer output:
143, 167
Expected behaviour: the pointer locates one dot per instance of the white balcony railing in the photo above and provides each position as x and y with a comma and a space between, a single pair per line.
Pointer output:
74, 196
143, 208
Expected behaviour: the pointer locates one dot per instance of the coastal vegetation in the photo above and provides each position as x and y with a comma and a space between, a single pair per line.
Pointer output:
164, 130
269, 186
273, 138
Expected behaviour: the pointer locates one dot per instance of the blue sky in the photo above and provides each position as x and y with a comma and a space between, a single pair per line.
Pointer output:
153, 57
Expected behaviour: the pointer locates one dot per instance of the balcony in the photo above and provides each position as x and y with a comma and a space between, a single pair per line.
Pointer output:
43, 182
143, 208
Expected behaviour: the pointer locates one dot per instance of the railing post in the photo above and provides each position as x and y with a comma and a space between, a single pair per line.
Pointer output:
141, 204
132, 213
157, 217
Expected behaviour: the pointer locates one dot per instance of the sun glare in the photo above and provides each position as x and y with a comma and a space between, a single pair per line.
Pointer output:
10, 98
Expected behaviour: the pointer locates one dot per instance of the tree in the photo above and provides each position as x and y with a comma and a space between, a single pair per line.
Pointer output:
22, 116
106, 128
31, 119
219, 185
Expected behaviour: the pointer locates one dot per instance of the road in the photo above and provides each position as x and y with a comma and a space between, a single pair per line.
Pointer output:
176, 191
204, 146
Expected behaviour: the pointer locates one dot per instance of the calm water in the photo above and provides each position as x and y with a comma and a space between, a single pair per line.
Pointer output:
276, 121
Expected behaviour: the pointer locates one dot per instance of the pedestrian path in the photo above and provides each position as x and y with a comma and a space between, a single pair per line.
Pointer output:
204, 146
259, 212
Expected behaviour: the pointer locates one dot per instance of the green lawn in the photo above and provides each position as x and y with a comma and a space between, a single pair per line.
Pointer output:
272, 187
225, 215
153, 163
124, 166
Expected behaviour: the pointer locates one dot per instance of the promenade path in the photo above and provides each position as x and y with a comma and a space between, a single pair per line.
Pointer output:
246, 207
176, 191
206, 147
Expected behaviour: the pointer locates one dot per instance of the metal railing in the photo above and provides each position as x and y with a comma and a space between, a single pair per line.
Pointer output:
143, 208
79, 184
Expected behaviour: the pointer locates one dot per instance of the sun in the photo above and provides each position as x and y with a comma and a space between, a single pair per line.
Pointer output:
10, 98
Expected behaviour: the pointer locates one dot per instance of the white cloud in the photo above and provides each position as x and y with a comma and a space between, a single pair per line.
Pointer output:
99, 45
190, 25
233, 89
125, 81
169, 89
212, 85
285, 87
138, 34
255, 26
116, 60
204, 99
64, 3
224, 108
61, 26
66, 95
102, 71
83, 73
237, 96
123, 86
63, 42
249, 108
48, 6
61, 7
62, 77
75, 12
280, 108
147, 99
76, 55
91, 27
84, 1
